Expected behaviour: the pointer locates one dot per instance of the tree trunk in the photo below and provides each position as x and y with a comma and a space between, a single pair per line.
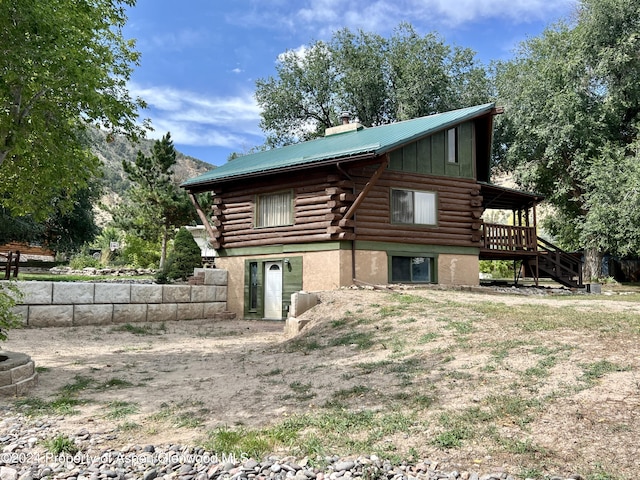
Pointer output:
163, 251
592, 269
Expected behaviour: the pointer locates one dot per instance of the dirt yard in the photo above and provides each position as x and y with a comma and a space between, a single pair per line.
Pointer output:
529, 384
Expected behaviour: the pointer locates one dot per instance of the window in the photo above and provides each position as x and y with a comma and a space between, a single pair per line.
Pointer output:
274, 209
411, 269
253, 286
408, 206
452, 145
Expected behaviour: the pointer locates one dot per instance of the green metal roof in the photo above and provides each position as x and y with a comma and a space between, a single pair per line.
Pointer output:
368, 141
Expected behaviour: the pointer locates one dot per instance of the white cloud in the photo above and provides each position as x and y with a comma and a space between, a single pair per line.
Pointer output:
326, 16
199, 120
178, 40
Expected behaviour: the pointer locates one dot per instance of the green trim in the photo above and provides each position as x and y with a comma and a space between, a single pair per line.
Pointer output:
416, 248
291, 283
285, 249
344, 245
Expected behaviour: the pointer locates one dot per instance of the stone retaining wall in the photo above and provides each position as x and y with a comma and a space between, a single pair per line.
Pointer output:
48, 304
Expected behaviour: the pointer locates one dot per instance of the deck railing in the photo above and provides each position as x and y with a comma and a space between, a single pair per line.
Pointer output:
509, 238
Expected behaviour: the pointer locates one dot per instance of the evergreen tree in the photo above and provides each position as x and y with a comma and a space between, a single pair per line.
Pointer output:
186, 256
154, 206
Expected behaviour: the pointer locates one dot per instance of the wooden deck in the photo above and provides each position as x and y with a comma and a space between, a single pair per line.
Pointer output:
508, 242
540, 258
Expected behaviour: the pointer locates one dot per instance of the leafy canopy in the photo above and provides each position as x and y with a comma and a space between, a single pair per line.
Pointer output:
570, 130
64, 64
378, 80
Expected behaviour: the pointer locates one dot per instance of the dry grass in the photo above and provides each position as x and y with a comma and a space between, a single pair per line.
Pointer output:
536, 385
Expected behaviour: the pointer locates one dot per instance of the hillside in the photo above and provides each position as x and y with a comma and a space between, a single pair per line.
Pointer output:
113, 153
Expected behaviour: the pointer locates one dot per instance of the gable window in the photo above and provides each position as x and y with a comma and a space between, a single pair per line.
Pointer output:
274, 209
452, 145
411, 269
413, 207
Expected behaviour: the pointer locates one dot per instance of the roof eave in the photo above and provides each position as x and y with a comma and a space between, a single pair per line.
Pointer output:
202, 186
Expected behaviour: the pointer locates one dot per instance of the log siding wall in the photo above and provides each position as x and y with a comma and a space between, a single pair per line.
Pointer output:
459, 203
322, 198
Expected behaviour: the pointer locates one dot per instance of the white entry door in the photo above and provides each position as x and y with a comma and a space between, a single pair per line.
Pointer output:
273, 290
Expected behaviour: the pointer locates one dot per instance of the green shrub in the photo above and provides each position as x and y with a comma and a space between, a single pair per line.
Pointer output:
10, 295
497, 268
184, 257
140, 253
80, 261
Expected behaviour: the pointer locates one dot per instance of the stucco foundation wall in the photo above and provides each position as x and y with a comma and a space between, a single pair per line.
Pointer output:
371, 267
235, 282
52, 304
325, 270
455, 269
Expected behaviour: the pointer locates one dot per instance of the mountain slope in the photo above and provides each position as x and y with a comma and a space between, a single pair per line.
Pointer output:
112, 153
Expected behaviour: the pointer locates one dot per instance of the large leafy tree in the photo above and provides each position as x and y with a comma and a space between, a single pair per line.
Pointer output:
154, 206
64, 230
63, 64
572, 104
378, 80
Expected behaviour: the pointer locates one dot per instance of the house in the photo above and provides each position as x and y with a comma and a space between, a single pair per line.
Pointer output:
398, 203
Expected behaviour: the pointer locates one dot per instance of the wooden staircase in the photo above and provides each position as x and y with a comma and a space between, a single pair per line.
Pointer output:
552, 262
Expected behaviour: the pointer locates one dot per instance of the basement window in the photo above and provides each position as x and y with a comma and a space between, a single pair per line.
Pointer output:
274, 209
406, 269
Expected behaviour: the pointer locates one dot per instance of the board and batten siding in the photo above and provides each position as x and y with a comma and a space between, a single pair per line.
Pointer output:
429, 155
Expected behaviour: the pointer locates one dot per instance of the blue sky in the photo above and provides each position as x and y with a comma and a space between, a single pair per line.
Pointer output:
201, 58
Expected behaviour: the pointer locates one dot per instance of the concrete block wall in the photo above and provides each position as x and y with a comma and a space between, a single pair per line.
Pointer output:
300, 303
48, 304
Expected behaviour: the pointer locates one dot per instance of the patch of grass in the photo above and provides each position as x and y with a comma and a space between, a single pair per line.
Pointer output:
129, 426
114, 383
363, 340
140, 329
239, 442
461, 327
273, 372
302, 391
596, 370
407, 320
303, 345
60, 444
120, 409
542, 317
428, 337
372, 367
34, 407
339, 323
521, 447
355, 391
188, 420
181, 415
42, 369
79, 383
